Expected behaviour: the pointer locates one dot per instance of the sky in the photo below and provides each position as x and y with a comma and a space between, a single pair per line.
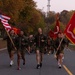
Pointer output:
56, 5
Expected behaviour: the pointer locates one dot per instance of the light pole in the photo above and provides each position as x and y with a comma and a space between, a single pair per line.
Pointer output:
48, 12
48, 8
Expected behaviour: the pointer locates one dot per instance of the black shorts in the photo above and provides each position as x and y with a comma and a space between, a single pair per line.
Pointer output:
41, 49
59, 51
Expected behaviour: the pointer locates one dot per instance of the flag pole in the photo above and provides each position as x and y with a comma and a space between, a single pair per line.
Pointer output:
60, 43
58, 46
11, 39
4, 21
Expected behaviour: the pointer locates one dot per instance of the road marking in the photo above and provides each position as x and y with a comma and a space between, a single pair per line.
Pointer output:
69, 72
68, 49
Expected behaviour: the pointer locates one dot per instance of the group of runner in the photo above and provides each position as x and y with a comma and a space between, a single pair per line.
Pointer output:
38, 43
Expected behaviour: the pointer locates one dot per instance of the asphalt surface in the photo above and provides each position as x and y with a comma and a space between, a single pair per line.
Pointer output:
49, 67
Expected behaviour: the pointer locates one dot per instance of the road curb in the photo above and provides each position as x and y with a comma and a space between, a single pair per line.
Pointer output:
3, 49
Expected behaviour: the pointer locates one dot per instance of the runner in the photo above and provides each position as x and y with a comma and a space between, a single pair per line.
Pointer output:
10, 47
30, 43
60, 48
50, 45
21, 43
40, 43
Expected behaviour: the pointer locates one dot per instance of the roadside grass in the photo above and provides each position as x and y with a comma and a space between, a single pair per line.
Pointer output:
72, 46
2, 43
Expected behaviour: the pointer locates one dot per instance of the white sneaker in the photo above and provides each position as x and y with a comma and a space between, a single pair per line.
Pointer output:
59, 66
11, 62
63, 57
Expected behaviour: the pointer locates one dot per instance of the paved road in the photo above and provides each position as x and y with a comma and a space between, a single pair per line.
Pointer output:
50, 66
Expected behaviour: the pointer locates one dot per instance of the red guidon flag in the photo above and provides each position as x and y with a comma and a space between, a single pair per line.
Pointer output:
57, 28
51, 34
70, 29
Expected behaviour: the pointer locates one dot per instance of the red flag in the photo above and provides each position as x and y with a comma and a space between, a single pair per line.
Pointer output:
17, 31
51, 34
57, 28
70, 29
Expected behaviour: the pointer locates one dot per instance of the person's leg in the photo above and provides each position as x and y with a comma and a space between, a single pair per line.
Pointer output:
9, 52
18, 59
23, 57
41, 57
60, 60
49, 51
11, 57
38, 58
52, 50
29, 49
59, 65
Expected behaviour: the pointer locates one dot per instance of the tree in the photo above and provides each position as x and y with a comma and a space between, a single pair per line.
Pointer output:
51, 18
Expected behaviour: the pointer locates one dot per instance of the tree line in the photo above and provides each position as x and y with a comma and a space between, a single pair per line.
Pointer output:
25, 16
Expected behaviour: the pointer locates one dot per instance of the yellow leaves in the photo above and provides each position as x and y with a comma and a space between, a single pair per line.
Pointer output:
1, 4
30, 29
23, 14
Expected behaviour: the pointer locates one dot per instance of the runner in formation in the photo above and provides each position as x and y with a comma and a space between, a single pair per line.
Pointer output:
39, 44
